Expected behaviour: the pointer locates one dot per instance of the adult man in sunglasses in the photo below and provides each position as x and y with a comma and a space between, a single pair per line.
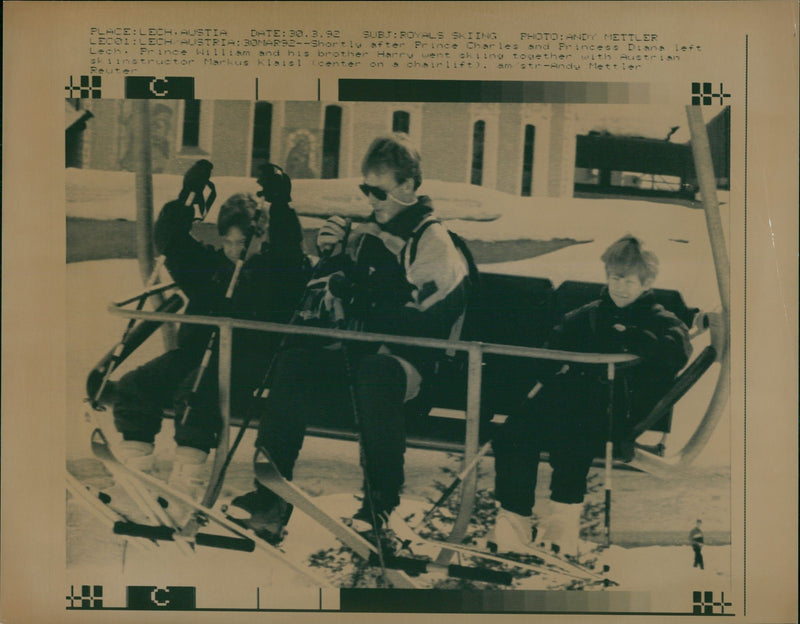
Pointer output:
397, 273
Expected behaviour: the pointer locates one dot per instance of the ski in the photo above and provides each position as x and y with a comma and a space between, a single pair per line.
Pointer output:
540, 562
398, 567
103, 452
99, 504
269, 476
154, 510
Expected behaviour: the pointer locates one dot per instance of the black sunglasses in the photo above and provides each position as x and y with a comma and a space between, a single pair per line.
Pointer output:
377, 193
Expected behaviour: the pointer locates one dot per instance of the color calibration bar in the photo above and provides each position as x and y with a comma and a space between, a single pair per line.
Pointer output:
501, 91
508, 601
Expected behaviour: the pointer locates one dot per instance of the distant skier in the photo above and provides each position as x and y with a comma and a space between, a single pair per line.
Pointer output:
268, 288
568, 417
388, 280
696, 540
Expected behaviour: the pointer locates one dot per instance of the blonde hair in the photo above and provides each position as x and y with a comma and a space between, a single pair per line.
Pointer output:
395, 153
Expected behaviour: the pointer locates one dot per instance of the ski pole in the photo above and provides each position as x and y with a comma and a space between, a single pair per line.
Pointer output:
155, 290
609, 454
482, 452
140, 332
362, 458
217, 486
281, 346
188, 195
228, 296
264, 383
115, 357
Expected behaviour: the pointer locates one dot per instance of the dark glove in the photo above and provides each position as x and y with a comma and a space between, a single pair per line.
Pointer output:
276, 186
195, 180
321, 305
284, 227
175, 218
640, 342
341, 286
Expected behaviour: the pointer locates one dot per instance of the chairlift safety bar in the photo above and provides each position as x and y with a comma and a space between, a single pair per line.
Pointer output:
475, 351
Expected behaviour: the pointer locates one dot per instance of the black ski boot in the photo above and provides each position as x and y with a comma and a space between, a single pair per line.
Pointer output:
261, 511
376, 526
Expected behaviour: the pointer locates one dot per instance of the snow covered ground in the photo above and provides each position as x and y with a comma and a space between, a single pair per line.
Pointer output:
650, 517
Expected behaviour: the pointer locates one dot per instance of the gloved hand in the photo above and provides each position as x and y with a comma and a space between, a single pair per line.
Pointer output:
175, 219
276, 186
331, 235
637, 340
324, 301
195, 181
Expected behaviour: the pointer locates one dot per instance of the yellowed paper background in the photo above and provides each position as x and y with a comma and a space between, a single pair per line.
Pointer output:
751, 46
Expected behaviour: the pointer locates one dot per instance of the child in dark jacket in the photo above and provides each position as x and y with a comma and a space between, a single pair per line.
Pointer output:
569, 416
268, 287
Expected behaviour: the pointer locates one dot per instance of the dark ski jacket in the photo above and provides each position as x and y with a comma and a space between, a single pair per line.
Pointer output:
651, 332
412, 292
269, 286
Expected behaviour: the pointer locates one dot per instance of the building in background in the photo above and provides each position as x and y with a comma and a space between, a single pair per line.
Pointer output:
521, 149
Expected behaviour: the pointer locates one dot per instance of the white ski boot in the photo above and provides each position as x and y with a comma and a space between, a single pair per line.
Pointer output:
512, 533
561, 529
137, 455
187, 470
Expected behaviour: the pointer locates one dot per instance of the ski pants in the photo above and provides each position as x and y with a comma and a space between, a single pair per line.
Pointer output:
314, 385
166, 382
568, 419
